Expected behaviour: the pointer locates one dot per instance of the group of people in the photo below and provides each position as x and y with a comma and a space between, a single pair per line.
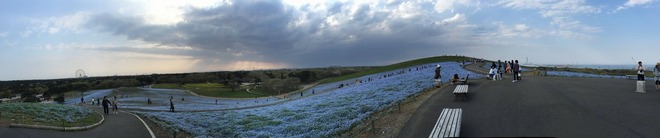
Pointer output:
510, 67
106, 105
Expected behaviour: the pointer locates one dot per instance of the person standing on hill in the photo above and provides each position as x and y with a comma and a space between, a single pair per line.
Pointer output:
114, 106
171, 104
105, 104
438, 77
516, 69
640, 71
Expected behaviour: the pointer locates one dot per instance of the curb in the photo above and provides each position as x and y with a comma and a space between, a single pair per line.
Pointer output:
144, 123
60, 128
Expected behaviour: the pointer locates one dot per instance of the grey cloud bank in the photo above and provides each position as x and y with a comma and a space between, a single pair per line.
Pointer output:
306, 36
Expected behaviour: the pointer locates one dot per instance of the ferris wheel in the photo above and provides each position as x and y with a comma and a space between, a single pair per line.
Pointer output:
80, 73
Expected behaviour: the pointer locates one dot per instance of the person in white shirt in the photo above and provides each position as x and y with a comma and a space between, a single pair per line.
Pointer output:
492, 73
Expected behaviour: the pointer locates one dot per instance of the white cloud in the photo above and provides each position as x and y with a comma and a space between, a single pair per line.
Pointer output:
632, 3
549, 8
560, 12
517, 30
4, 34
572, 28
456, 18
450, 5
53, 25
167, 12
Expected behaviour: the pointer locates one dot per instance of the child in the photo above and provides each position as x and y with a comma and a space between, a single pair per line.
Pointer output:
454, 79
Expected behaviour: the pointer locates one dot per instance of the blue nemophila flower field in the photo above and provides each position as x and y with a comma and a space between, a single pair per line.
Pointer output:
578, 74
316, 115
44, 113
184, 101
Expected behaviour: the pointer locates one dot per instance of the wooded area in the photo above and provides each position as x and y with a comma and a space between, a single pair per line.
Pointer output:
270, 81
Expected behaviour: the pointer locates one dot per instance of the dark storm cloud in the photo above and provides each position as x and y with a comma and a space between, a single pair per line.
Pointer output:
270, 31
134, 28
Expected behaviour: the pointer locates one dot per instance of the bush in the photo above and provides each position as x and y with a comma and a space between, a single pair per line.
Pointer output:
31, 99
59, 99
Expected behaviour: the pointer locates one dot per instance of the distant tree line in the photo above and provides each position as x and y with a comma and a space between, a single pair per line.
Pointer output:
270, 81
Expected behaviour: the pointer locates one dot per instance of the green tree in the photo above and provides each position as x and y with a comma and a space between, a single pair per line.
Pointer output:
5, 94
233, 85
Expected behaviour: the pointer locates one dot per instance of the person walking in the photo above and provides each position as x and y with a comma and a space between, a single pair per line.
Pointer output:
516, 69
438, 77
105, 104
640, 71
171, 104
114, 106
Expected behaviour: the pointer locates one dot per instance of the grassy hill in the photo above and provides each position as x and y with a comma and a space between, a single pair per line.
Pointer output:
398, 66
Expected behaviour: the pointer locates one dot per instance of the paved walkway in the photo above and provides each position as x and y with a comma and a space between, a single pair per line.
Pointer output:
546, 106
122, 125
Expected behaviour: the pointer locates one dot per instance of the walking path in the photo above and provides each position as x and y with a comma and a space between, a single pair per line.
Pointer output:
546, 106
122, 125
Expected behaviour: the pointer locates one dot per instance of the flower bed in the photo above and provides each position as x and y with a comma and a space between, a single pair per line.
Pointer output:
183, 101
47, 114
317, 115
578, 74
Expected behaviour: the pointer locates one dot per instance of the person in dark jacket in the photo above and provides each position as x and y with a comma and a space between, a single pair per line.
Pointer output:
105, 104
438, 77
516, 70
171, 104
499, 65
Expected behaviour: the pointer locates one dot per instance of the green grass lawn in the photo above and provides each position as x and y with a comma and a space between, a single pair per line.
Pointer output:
71, 94
397, 66
167, 86
212, 90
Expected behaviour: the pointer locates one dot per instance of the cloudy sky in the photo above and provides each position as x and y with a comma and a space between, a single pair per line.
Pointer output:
53, 38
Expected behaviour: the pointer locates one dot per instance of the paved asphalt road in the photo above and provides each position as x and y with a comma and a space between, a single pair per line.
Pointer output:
546, 106
122, 125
